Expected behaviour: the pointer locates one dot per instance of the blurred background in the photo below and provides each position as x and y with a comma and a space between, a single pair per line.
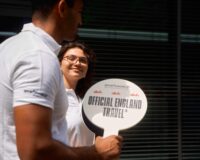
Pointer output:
154, 44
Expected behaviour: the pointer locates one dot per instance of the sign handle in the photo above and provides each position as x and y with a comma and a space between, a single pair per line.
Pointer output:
108, 132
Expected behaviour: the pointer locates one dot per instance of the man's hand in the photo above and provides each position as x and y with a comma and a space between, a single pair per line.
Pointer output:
109, 147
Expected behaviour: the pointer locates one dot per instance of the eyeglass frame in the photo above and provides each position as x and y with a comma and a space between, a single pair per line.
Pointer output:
74, 59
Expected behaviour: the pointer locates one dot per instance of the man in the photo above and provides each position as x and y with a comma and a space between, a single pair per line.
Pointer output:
32, 99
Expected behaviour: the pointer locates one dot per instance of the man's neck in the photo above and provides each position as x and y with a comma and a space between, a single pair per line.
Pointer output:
48, 26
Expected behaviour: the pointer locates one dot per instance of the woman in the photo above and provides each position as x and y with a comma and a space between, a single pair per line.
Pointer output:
76, 62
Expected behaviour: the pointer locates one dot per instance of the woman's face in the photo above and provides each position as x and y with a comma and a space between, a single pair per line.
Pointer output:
74, 64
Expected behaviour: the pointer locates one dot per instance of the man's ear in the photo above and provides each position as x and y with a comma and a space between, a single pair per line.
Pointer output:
62, 7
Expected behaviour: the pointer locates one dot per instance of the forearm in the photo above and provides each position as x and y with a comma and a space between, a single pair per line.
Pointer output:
55, 150
34, 138
60, 151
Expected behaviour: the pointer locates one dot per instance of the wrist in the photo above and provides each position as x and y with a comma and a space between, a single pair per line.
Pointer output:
98, 156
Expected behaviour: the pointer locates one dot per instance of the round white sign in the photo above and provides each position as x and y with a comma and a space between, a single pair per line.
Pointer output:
114, 104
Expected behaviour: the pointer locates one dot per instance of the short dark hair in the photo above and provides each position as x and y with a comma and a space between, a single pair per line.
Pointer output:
84, 83
45, 6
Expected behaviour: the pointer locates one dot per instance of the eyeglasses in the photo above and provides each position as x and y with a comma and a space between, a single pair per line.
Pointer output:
74, 59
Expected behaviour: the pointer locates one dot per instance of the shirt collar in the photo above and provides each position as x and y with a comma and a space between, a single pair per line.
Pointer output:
52, 44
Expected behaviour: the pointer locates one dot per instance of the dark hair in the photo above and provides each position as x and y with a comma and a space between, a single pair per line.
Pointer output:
44, 7
84, 83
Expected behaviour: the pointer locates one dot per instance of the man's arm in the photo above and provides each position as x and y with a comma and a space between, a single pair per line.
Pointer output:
34, 139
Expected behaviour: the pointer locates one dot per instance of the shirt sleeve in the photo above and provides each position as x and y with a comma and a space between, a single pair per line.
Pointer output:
35, 79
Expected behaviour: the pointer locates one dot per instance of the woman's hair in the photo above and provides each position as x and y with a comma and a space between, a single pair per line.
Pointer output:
84, 83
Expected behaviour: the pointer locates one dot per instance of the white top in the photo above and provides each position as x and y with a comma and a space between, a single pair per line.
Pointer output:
30, 73
77, 132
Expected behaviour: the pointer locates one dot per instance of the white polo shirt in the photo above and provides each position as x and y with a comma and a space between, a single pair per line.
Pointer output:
30, 73
77, 132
